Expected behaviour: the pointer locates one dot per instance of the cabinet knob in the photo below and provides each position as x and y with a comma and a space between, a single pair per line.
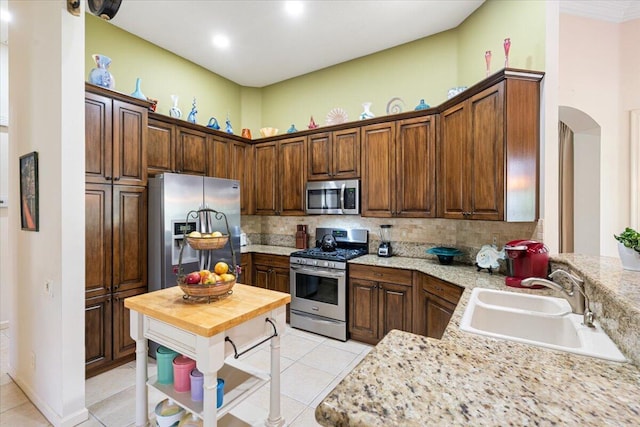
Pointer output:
117, 178
108, 178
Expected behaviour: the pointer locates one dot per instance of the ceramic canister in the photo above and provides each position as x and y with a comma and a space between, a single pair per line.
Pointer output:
182, 366
164, 358
197, 380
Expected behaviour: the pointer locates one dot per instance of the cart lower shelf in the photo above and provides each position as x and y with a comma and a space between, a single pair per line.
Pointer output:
240, 381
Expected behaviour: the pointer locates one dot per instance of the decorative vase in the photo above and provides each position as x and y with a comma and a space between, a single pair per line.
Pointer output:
213, 124
629, 257
138, 93
366, 114
101, 76
174, 111
246, 133
507, 47
422, 106
192, 115
487, 60
312, 123
292, 129
228, 128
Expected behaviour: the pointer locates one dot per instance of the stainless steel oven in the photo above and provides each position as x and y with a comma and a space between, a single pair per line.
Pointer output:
319, 282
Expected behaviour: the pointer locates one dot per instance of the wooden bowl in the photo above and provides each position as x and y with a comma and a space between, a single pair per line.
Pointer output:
207, 243
213, 290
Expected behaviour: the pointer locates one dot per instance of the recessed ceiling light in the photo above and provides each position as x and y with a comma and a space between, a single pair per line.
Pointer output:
221, 41
294, 8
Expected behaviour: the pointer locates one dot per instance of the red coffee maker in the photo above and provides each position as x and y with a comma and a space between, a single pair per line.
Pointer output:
526, 258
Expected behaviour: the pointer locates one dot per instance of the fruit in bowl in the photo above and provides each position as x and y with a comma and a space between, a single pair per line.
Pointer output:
206, 277
192, 278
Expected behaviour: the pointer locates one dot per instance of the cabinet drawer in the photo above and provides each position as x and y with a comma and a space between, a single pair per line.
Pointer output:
381, 274
442, 289
271, 260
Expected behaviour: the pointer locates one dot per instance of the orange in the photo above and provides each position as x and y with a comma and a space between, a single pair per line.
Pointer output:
227, 277
221, 268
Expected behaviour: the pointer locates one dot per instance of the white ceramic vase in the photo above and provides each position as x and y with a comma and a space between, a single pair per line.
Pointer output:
629, 257
366, 114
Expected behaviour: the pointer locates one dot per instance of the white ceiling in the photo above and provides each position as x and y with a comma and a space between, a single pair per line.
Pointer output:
268, 46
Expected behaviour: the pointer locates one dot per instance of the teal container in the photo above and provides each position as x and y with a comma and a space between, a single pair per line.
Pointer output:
219, 393
164, 358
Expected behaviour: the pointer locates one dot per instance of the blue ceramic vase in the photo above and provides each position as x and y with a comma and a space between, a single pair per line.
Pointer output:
100, 75
138, 93
422, 106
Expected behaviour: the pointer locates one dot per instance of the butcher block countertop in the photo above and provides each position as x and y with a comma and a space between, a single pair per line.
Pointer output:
207, 319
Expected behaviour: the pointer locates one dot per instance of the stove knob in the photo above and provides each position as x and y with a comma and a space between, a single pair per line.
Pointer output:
326, 264
315, 262
331, 265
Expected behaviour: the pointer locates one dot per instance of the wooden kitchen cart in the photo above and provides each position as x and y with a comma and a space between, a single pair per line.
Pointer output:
209, 333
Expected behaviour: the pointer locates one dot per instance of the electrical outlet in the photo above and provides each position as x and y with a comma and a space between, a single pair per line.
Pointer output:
48, 288
33, 361
494, 240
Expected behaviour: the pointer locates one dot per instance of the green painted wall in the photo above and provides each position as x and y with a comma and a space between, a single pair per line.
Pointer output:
423, 69
523, 21
162, 74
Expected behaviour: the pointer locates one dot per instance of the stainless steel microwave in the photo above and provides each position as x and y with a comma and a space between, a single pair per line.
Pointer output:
333, 197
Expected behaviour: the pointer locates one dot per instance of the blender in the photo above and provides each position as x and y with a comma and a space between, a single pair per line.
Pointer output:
384, 250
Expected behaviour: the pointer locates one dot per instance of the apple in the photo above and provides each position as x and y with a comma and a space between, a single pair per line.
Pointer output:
216, 234
204, 274
193, 278
209, 280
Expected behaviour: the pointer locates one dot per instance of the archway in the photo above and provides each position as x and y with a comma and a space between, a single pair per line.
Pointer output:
580, 182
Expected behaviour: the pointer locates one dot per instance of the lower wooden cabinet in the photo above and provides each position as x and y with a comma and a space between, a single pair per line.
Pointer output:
271, 272
245, 269
380, 299
107, 339
436, 301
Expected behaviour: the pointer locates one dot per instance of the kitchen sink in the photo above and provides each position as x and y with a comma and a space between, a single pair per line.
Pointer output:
536, 320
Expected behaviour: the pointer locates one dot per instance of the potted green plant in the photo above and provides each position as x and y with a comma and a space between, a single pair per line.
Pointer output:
629, 249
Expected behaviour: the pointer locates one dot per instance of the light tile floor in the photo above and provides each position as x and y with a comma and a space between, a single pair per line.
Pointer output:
311, 366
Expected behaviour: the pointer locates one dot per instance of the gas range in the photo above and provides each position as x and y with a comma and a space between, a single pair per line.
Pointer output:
350, 244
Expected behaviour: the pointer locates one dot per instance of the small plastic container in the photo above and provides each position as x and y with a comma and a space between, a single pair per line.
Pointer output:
182, 367
168, 414
164, 359
197, 381
219, 393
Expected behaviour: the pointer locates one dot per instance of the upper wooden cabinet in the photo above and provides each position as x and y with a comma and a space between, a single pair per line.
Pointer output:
241, 168
280, 173
399, 168
489, 154
191, 151
218, 161
161, 147
115, 139
334, 155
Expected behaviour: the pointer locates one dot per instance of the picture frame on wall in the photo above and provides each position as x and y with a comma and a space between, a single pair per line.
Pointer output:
29, 210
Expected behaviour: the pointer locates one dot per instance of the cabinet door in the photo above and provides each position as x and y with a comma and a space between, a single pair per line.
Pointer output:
416, 168
319, 155
395, 308
97, 337
363, 310
129, 144
98, 138
454, 151
486, 167
241, 159
98, 239
378, 170
161, 147
436, 301
191, 152
262, 275
219, 163
129, 237
266, 178
123, 344
281, 279
292, 174
437, 314
346, 154
245, 268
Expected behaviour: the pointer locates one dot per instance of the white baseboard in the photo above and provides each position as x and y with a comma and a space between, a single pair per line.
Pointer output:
52, 416
4, 324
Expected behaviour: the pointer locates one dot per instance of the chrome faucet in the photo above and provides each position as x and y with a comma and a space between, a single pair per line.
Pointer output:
579, 301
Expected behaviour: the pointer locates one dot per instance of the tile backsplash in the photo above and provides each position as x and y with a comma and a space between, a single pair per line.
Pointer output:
409, 236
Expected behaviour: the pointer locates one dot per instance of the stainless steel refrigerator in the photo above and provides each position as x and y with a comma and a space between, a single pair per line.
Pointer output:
171, 197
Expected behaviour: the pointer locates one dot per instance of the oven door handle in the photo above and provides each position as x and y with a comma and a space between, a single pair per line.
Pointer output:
342, 198
321, 273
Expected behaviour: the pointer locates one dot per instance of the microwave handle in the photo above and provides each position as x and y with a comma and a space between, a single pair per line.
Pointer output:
342, 197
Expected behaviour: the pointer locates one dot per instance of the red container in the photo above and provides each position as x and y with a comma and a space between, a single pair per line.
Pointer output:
526, 258
182, 367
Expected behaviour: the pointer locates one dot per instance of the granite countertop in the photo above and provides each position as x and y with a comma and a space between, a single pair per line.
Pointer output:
267, 249
468, 379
